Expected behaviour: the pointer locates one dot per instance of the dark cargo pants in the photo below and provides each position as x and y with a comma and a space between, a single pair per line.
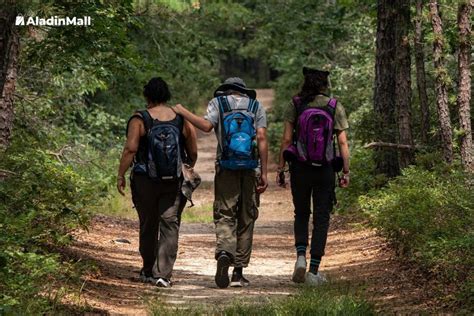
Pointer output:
235, 212
159, 207
316, 184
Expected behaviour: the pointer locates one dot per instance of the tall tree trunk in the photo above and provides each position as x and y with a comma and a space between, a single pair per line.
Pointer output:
441, 81
9, 49
420, 72
464, 94
403, 80
386, 159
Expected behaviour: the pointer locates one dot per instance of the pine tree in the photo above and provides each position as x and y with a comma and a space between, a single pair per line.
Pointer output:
464, 94
9, 49
386, 158
442, 80
421, 73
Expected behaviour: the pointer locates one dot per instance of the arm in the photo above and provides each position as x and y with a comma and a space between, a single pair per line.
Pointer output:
285, 142
135, 129
201, 123
344, 150
191, 142
262, 144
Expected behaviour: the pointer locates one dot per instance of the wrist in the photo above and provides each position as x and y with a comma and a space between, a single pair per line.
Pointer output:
120, 177
346, 172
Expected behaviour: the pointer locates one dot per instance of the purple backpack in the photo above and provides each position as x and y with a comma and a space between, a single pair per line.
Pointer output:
313, 141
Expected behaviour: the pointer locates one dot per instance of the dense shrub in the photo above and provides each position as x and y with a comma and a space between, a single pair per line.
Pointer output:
429, 216
362, 179
42, 199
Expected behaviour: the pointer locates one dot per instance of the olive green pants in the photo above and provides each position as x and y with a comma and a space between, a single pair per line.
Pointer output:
235, 212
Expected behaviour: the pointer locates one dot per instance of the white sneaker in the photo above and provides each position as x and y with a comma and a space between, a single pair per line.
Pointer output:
161, 282
300, 269
315, 279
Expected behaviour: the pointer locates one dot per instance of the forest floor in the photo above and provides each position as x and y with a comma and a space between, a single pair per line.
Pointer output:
355, 255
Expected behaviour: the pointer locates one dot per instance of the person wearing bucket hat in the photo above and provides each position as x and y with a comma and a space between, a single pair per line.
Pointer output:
313, 122
239, 122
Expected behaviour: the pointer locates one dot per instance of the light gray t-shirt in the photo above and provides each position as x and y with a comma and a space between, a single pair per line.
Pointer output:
236, 102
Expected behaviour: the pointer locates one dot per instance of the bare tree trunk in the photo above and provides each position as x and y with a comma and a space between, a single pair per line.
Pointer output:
441, 80
420, 72
464, 94
9, 49
403, 80
386, 159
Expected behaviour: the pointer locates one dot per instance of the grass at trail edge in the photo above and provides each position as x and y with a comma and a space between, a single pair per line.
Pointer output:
329, 299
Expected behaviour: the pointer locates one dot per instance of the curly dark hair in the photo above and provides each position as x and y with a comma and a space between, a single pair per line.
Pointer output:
315, 82
156, 91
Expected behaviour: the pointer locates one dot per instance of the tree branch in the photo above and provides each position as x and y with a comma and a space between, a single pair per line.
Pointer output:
6, 173
392, 145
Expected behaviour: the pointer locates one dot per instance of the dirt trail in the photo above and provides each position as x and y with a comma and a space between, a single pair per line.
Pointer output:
355, 255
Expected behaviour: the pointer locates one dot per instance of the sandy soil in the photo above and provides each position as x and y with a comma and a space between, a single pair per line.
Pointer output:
355, 255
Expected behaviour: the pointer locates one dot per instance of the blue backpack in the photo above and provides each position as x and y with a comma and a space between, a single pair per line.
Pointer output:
239, 146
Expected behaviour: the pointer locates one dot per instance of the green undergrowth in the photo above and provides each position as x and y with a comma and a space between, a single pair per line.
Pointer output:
44, 197
117, 205
121, 206
427, 213
329, 299
198, 214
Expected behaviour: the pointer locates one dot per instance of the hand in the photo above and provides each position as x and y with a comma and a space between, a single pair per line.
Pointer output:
121, 183
344, 181
280, 179
177, 108
262, 184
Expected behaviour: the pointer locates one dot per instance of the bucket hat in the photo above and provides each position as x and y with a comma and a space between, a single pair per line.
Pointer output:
237, 84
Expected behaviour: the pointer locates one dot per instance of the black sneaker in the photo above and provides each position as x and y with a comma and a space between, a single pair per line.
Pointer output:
238, 280
147, 278
222, 271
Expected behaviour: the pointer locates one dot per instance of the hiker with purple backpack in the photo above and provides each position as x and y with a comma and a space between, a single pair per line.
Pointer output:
313, 122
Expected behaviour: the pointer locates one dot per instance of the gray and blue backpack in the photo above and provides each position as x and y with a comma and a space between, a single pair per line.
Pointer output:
239, 146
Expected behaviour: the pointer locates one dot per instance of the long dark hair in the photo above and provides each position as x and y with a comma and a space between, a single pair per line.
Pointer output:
315, 82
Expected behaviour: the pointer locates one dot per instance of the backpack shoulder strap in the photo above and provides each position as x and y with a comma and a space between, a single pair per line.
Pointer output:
147, 119
332, 103
253, 106
139, 115
180, 122
224, 106
299, 105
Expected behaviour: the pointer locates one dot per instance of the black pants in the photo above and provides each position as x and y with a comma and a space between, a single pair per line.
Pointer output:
317, 184
159, 207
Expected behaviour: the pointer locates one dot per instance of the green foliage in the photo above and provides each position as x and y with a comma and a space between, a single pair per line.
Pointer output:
362, 180
328, 299
429, 217
41, 202
274, 134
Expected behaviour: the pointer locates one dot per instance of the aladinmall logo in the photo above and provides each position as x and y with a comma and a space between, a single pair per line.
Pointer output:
53, 21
